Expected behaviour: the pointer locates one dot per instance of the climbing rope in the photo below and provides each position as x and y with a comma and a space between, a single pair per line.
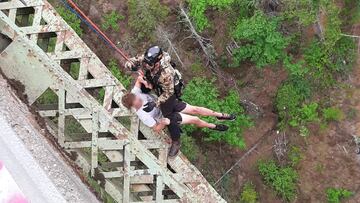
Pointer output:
69, 4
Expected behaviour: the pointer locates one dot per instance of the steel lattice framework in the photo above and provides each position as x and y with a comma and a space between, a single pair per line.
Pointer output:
36, 48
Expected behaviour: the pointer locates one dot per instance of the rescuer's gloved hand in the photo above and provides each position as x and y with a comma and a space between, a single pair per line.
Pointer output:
133, 66
149, 106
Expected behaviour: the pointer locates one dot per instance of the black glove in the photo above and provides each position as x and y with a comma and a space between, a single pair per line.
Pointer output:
149, 106
135, 68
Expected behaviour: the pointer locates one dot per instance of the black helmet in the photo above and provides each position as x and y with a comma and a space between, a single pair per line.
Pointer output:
152, 55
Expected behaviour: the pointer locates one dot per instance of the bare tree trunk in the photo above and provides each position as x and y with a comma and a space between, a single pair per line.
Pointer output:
204, 43
165, 38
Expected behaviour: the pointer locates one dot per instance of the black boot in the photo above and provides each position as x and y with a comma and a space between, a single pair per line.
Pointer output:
175, 148
220, 127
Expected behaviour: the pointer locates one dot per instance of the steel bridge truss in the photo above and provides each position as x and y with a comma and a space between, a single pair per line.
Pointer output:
39, 50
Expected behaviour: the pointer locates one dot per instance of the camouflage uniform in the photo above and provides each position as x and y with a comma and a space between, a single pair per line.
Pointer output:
166, 80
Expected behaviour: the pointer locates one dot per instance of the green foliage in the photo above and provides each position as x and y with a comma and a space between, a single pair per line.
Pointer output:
356, 12
100, 95
249, 194
189, 148
48, 97
309, 112
71, 19
320, 66
335, 195
199, 7
344, 54
197, 67
203, 92
144, 16
350, 13
302, 11
111, 20
333, 114
115, 70
332, 24
289, 99
294, 156
99, 190
261, 42
282, 179
72, 126
297, 69
74, 70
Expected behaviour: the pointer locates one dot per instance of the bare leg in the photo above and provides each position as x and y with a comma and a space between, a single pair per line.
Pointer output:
197, 110
187, 119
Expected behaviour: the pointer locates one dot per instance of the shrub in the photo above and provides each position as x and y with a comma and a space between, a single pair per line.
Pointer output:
249, 194
333, 114
202, 92
281, 179
344, 55
115, 70
71, 19
294, 156
189, 148
199, 7
111, 20
332, 24
297, 69
303, 11
320, 66
144, 16
288, 102
261, 43
335, 195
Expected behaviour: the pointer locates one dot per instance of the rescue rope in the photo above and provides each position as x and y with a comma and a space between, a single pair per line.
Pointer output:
69, 4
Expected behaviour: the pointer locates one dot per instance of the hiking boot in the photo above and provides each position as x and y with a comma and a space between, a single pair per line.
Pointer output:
228, 117
220, 127
174, 149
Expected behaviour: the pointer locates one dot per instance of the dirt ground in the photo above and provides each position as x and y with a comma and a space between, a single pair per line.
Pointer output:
329, 156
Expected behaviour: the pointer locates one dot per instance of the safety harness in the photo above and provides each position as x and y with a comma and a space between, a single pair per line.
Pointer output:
157, 87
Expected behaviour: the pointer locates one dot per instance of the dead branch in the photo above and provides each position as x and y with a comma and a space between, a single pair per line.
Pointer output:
280, 147
204, 43
209, 52
165, 38
353, 36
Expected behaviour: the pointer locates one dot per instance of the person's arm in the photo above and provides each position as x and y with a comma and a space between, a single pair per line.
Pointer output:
130, 64
167, 81
161, 125
140, 80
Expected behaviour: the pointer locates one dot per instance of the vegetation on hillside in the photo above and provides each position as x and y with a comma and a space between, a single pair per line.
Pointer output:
111, 20
260, 40
199, 7
249, 194
202, 92
282, 179
71, 19
336, 195
144, 16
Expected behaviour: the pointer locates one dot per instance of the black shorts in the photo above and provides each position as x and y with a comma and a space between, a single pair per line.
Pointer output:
170, 109
172, 105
